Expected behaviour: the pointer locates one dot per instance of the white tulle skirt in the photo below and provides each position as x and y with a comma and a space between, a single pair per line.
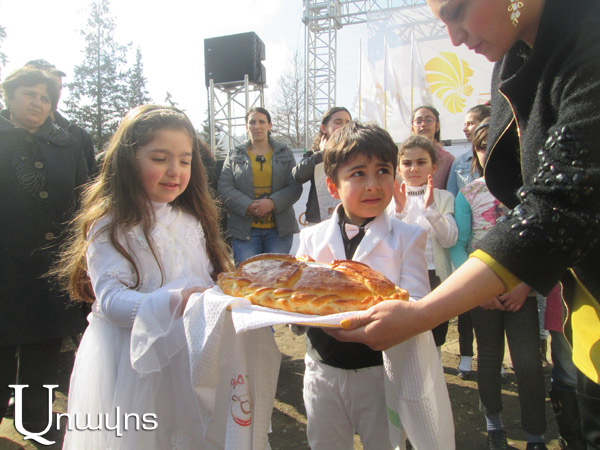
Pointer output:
112, 406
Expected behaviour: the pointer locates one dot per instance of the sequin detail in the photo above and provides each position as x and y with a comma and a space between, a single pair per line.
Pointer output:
563, 180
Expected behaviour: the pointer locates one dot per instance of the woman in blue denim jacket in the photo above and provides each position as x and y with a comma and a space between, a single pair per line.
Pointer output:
258, 191
460, 172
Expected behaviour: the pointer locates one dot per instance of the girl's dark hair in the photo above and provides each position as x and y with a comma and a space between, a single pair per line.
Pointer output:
258, 109
418, 142
118, 192
436, 113
481, 111
356, 138
479, 137
30, 76
325, 120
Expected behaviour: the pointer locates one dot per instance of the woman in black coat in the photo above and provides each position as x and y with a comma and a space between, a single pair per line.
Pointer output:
544, 164
41, 168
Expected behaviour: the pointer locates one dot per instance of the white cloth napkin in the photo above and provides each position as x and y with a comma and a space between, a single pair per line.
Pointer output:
416, 394
247, 316
234, 375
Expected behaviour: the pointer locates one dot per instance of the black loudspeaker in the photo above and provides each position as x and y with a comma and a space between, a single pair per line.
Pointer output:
228, 58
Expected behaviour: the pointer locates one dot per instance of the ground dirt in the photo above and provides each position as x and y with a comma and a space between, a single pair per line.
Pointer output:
289, 419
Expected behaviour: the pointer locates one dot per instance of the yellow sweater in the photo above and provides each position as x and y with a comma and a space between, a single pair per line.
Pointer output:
262, 174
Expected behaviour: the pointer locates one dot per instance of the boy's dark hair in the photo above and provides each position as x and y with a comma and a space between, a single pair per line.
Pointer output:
481, 111
418, 142
354, 139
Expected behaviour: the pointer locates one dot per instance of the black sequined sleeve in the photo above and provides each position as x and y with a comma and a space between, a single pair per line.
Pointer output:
556, 225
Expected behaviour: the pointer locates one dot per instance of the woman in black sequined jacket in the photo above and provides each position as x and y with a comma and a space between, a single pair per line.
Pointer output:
41, 167
544, 163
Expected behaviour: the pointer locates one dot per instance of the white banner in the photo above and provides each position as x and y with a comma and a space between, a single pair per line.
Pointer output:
370, 100
454, 78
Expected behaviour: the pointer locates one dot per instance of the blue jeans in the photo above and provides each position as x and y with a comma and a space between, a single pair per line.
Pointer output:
261, 241
542, 316
564, 372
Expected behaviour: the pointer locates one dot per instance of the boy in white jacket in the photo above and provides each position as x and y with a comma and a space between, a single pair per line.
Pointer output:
349, 388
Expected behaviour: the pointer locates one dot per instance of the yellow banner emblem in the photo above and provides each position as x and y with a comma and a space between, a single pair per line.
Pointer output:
448, 77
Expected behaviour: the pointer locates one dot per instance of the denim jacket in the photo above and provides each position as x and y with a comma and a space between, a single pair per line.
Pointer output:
460, 173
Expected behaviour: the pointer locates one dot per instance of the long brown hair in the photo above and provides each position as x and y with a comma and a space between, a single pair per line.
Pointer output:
479, 138
324, 121
118, 192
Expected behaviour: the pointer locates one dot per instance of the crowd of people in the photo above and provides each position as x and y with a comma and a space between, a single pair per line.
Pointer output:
504, 237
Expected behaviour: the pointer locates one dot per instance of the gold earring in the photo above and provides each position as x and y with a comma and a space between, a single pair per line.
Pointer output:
513, 8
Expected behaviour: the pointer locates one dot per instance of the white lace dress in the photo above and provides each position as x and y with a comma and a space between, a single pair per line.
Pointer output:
131, 379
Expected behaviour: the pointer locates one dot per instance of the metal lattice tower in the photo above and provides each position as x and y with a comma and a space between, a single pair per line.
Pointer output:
228, 104
324, 18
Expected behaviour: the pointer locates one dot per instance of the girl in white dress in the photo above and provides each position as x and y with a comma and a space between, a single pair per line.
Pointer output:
146, 238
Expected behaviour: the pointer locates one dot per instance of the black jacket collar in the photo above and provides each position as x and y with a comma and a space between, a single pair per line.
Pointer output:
48, 131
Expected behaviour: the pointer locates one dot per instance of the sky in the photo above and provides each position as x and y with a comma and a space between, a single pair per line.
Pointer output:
170, 34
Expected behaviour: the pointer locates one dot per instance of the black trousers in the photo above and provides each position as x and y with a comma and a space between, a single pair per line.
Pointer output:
439, 332
465, 334
523, 336
35, 365
588, 399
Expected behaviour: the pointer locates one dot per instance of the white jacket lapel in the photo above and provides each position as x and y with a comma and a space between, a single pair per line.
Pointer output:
333, 237
376, 232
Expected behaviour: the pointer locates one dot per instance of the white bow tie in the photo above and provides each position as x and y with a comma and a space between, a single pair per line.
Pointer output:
353, 230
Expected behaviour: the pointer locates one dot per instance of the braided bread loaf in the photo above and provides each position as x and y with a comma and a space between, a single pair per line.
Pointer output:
302, 286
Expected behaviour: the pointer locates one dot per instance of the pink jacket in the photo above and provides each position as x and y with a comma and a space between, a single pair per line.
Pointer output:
444, 163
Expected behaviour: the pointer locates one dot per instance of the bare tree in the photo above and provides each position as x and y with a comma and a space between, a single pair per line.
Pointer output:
287, 107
